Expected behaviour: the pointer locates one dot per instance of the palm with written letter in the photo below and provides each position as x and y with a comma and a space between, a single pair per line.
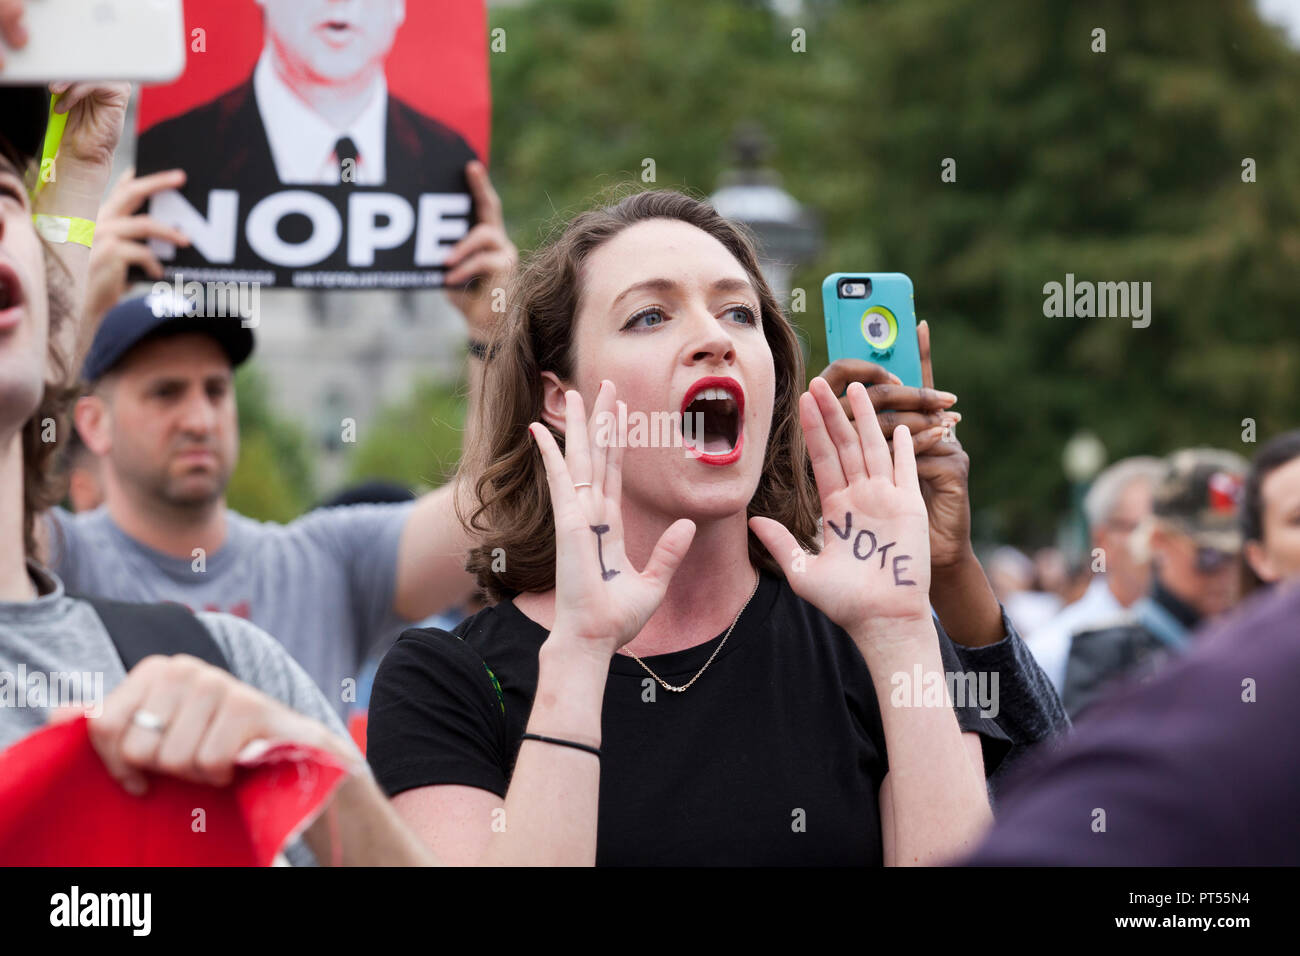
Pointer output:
600, 599
872, 577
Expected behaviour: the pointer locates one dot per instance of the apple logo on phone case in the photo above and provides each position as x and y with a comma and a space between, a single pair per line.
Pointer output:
880, 329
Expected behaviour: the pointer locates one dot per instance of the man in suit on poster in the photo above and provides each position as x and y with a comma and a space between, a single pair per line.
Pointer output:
316, 110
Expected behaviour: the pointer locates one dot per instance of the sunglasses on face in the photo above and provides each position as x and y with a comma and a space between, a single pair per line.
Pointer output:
1211, 560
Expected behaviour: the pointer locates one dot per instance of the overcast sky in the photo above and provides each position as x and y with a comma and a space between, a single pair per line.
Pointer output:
1286, 13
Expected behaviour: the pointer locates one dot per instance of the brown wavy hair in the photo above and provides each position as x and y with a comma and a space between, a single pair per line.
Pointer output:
43, 484
509, 505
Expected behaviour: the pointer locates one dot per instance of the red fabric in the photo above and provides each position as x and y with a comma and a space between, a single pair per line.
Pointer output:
357, 721
60, 807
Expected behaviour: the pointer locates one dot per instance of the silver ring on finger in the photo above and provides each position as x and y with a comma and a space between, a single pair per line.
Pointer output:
581, 484
148, 720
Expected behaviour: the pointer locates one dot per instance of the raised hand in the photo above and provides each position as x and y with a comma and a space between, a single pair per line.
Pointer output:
75, 186
122, 236
872, 577
96, 116
483, 260
924, 411
941, 464
944, 470
601, 600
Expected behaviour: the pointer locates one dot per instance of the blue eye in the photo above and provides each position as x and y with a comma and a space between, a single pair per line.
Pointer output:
747, 314
647, 314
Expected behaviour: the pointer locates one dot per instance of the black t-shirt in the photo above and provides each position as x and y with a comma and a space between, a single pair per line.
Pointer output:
774, 757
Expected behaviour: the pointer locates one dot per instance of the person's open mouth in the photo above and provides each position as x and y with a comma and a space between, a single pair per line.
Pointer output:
11, 298
712, 412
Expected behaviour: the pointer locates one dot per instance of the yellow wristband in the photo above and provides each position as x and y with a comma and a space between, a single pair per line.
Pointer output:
65, 229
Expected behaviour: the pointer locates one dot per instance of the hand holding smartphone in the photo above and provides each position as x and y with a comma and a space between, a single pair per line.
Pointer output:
872, 316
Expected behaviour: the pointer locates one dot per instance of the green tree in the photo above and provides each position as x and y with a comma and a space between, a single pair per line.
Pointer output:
273, 480
1117, 166
1122, 165
415, 443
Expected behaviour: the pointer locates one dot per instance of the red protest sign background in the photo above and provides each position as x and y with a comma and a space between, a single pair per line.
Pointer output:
438, 63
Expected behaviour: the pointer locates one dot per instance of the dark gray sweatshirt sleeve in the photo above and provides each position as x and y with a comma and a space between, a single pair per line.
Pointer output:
1029, 709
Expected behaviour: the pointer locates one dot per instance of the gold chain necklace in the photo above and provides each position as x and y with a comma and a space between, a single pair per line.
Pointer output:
677, 690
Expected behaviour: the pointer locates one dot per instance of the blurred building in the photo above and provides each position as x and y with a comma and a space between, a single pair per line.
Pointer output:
327, 357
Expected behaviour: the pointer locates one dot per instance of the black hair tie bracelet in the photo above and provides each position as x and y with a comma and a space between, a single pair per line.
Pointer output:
563, 743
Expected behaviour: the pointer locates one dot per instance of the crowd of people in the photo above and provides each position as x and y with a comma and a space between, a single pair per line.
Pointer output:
1176, 543
779, 647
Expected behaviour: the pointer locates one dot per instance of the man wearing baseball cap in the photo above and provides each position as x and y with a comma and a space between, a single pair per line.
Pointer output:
160, 414
1194, 547
157, 316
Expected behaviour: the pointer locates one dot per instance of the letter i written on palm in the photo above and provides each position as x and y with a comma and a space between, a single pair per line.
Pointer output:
600, 599
872, 577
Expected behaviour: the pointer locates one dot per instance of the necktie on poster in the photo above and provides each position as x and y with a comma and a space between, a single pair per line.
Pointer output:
60, 807
265, 199
345, 152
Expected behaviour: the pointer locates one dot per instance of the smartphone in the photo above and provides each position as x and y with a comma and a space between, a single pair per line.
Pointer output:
872, 316
138, 40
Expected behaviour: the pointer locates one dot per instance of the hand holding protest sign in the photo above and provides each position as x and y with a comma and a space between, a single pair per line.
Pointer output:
121, 234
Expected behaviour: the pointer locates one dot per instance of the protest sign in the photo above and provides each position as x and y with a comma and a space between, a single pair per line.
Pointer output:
324, 144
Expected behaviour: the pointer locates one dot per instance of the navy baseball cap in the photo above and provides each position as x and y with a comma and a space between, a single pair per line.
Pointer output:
132, 321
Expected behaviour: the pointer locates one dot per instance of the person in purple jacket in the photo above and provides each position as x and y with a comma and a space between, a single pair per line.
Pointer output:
1199, 767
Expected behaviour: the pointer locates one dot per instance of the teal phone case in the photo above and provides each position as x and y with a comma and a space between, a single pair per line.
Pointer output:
880, 328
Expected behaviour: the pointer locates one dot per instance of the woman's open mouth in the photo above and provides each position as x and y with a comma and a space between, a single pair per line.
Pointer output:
712, 412
11, 298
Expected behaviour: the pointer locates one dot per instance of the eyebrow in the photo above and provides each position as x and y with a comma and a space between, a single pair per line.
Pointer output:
670, 285
184, 380
165, 380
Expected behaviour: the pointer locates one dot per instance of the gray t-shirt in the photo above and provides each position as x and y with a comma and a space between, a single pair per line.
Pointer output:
57, 647
323, 585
